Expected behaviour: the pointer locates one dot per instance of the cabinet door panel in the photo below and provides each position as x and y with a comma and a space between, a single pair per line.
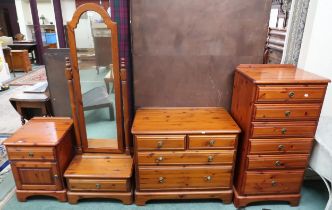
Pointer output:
36, 176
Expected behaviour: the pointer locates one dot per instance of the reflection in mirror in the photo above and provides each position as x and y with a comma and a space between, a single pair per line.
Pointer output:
94, 53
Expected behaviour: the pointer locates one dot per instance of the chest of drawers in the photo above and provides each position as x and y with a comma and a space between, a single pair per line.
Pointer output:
184, 153
40, 152
277, 108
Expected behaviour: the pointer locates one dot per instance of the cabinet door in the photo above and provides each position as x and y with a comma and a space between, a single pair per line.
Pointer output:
36, 175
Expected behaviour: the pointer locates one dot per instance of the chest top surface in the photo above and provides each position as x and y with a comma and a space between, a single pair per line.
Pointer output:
40, 132
281, 74
183, 121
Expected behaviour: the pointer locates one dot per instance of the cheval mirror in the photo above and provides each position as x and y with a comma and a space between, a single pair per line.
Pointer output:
99, 100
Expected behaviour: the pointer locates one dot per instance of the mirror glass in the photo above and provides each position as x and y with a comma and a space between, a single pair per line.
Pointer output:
94, 53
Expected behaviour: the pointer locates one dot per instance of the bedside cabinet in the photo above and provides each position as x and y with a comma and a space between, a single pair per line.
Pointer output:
184, 153
39, 153
277, 108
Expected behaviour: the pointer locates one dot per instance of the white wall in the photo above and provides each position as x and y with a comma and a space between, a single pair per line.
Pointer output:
315, 55
68, 8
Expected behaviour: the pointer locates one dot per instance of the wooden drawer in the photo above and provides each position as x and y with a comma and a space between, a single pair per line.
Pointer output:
271, 182
280, 146
212, 141
286, 111
31, 153
160, 142
119, 185
176, 177
277, 161
283, 129
290, 93
223, 157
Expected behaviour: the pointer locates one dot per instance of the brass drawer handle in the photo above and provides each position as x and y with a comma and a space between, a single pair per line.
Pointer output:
283, 130
161, 180
287, 113
98, 186
210, 158
274, 183
277, 163
159, 159
212, 142
55, 176
291, 94
160, 144
208, 178
281, 147
31, 154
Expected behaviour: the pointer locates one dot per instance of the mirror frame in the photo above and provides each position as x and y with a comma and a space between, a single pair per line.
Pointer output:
79, 112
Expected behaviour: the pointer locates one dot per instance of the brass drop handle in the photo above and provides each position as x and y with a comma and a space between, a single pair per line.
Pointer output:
212, 142
160, 144
281, 147
291, 94
210, 158
30, 154
277, 163
55, 176
283, 130
98, 186
161, 179
274, 183
159, 159
287, 113
208, 178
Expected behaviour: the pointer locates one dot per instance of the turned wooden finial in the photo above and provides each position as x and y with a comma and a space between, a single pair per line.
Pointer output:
68, 71
123, 63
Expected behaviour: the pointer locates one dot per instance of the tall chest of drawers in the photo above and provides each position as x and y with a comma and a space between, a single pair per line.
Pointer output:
39, 153
277, 108
184, 153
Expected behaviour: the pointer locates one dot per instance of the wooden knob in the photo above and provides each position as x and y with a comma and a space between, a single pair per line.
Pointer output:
291, 94
161, 180
208, 178
98, 186
283, 130
160, 144
287, 113
210, 158
212, 142
159, 159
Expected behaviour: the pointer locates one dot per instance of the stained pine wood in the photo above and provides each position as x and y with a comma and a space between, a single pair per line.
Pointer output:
192, 157
193, 177
40, 152
184, 153
183, 120
119, 185
266, 112
280, 146
277, 108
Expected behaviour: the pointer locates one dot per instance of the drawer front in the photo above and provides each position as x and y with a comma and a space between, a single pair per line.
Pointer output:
212, 141
286, 112
172, 178
267, 182
160, 142
31, 153
119, 185
275, 130
277, 162
280, 146
222, 157
290, 93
